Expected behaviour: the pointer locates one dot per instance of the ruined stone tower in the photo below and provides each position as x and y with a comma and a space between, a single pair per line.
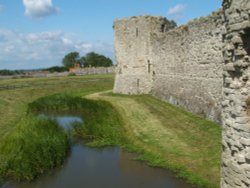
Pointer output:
133, 49
236, 95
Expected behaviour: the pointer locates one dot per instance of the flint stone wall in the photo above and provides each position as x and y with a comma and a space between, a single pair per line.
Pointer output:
95, 70
184, 66
236, 95
180, 65
188, 66
133, 52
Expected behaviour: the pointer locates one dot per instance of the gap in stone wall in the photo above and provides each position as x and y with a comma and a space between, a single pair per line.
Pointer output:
137, 32
247, 161
248, 106
163, 28
246, 40
236, 74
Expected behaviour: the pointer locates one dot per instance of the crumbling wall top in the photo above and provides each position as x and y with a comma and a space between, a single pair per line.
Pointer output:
151, 21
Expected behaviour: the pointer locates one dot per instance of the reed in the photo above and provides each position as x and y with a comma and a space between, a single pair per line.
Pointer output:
31, 148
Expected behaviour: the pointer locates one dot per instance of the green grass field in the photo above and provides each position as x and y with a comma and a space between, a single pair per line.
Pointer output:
160, 133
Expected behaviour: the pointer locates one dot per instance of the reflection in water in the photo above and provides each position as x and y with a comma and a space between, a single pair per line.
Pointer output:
65, 121
94, 168
105, 168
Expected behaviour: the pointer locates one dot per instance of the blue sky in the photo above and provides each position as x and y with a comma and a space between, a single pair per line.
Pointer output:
38, 33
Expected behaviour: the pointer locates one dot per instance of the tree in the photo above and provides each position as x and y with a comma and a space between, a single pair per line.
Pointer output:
96, 60
71, 59
56, 69
82, 61
6, 72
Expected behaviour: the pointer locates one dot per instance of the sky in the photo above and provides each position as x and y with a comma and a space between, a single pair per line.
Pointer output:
38, 33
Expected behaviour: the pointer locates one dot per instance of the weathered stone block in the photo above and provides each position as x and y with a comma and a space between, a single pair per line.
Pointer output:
236, 40
242, 120
229, 67
245, 141
240, 158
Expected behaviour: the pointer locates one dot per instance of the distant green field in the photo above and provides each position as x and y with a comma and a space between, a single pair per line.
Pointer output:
162, 135
15, 94
29, 146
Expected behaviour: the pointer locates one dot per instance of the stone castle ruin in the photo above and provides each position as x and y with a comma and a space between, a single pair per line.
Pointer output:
202, 66
182, 65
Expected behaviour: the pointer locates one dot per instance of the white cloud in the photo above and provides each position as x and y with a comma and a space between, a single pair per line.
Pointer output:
39, 8
84, 46
43, 49
177, 9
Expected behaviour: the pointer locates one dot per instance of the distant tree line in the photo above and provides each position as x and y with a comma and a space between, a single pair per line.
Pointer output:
91, 59
5, 72
56, 69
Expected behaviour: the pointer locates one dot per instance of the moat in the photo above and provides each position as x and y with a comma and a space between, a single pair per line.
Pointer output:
107, 167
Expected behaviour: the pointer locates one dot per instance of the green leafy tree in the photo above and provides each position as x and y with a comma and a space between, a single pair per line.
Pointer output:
96, 60
82, 61
71, 59
56, 69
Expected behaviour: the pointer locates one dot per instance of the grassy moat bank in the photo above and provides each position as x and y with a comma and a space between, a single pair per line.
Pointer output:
23, 137
36, 145
162, 134
169, 137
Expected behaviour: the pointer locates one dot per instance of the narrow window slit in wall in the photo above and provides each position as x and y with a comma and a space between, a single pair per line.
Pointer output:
162, 28
138, 83
149, 66
137, 32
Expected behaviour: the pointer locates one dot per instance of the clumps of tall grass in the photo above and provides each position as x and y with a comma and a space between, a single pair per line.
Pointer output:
36, 145
102, 124
33, 147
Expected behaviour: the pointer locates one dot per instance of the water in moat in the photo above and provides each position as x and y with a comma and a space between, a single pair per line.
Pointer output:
101, 168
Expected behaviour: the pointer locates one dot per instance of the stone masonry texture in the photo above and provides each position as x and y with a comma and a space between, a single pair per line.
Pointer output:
187, 64
133, 52
203, 66
180, 65
236, 95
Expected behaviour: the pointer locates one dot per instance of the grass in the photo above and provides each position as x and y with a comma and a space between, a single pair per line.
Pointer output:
102, 125
162, 135
31, 148
170, 137
37, 145
14, 102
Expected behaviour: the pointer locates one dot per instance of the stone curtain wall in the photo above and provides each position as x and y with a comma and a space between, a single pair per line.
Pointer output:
187, 63
132, 49
95, 70
181, 65
185, 67
236, 95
